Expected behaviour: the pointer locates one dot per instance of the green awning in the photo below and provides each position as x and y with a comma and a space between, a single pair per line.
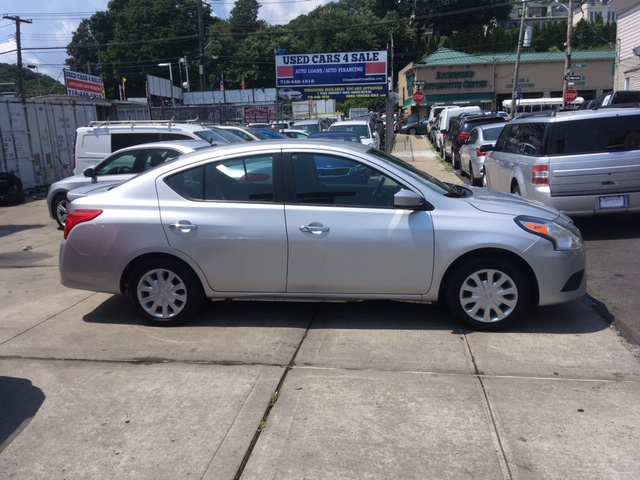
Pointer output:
452, 99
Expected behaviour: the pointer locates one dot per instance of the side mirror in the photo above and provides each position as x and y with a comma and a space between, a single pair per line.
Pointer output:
486, 148
409, 200
88, 172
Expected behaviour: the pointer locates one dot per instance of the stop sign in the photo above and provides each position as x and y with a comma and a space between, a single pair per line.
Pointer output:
418, 96
570, 95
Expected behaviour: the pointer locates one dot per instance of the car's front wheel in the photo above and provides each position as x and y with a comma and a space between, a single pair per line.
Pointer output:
165, 292
487, 294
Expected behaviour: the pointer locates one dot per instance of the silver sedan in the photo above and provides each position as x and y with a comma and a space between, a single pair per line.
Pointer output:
315, 220
472, 158
121, 165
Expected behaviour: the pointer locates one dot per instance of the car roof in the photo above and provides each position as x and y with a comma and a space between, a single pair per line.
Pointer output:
352, 122
551, 116
186, 145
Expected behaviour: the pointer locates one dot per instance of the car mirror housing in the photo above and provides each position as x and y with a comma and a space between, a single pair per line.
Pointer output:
408, 199
88, 172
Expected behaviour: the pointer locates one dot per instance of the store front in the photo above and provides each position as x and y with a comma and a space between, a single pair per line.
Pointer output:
449, 77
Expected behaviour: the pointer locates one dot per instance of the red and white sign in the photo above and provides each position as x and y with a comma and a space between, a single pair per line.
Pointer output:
84, 85
570, 95
418, 96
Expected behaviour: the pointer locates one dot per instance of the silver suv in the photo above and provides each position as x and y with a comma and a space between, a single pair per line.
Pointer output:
582, 162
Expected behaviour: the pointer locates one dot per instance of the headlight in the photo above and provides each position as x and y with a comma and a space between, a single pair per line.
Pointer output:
563, 237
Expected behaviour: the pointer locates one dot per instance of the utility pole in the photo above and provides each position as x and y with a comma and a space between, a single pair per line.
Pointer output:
567, 61
203, 78
18, 20
517, 69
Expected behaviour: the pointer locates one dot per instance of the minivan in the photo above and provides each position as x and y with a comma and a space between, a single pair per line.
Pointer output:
582, 162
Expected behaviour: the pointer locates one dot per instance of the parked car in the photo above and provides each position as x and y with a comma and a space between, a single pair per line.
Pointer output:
246, 133
117, 167
292, 133
226, 134
459, 129
433, 113
363, 128
582, 162
312, 125
615, 97
415, 128
271, 133
101, 138
171, 237
442, 132
336, 135
471, 154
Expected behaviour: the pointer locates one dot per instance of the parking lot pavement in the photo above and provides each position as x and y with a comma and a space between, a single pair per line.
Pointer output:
257, 390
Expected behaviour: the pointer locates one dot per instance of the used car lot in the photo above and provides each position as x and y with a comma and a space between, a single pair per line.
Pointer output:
288, 390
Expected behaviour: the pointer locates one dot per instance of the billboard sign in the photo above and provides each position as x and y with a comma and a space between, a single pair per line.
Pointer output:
82, 84
334, 75
257, 114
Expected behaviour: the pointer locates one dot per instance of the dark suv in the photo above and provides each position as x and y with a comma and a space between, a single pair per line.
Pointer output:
460, 128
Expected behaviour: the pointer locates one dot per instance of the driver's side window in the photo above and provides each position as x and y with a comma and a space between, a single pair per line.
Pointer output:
118, 164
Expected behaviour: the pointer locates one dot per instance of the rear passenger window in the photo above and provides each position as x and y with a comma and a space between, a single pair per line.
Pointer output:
246, 179
596, 135
522, 138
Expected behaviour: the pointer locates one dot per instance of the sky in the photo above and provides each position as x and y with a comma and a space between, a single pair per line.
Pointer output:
53, 23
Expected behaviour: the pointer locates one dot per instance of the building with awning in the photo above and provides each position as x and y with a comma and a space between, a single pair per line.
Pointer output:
450, 77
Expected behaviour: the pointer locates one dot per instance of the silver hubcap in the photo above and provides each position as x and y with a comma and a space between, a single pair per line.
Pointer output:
488, 295
62, 211
162, 294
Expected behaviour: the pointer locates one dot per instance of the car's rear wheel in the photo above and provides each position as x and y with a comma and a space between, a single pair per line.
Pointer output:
412, 131
487, 294
476, 182
516, 190
60, 208
165, 292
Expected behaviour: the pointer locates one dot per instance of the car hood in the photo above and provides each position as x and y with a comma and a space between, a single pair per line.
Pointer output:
90, 190
492, 201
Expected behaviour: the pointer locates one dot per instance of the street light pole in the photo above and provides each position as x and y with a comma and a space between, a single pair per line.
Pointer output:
183, 60
517, 68
38, 73
173, 102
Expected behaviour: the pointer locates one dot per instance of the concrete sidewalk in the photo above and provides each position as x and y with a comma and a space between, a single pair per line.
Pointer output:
417, 150
255, 390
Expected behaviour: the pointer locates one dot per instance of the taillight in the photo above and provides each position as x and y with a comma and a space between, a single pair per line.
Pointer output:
463, 136
77, 217
540, 175
480, 153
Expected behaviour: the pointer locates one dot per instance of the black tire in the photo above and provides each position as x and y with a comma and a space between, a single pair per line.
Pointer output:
487, 294
11, 192
412, 131
60, 208
165, 292
455, 162
516, 190
476, 182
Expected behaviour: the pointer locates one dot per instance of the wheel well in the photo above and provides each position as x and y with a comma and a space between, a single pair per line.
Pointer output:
514, 183
133, 264
486, 254
54, 200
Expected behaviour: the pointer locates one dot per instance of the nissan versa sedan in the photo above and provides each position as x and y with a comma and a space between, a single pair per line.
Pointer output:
267, 220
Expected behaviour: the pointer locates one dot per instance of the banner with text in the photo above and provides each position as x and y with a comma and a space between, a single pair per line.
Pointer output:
83, 84
320, 76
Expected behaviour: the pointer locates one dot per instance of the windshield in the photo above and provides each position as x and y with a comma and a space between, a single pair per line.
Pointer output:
441, 187
211, 136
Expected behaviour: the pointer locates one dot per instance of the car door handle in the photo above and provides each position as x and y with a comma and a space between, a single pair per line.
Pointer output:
183, 226
314, 229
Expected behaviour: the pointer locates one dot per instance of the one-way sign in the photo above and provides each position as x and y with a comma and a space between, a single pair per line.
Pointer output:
572, 78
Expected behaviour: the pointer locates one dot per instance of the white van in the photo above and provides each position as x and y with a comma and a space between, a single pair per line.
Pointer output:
446, 115
99, 139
